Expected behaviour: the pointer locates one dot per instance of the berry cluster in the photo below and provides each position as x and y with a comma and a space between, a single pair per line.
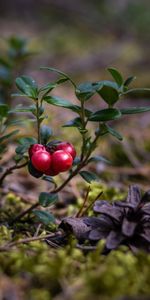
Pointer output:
51, 159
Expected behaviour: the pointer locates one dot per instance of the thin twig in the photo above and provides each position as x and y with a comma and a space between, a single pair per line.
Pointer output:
8, 246
84, 203
10, 170
87, 208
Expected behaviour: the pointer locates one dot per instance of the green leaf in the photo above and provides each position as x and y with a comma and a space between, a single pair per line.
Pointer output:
60, 73
116, 75
88, 176
57, 101
73, 123
17, 95
20, 150
98, 158
134, 110
61, 80
46, 133
47, 199
44, 216
27, 141
3, 110
129, 80
114, 133
28, 86
137, 90
84, 91
105, 115
49, 87
109, 94
9, 135
25, 144
20, 108
49, 179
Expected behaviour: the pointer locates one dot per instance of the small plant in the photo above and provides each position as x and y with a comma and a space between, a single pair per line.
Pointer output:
48, 157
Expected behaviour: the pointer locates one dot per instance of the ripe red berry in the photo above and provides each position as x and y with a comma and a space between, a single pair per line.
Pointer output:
34, 148
51, 172
41, 160
67, 147
61, 161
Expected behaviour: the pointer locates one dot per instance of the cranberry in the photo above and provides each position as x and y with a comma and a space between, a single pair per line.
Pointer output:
67, 147
34, 148
61, 161
41, 160
51, 172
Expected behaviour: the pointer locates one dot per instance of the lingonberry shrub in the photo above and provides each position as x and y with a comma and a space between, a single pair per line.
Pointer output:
47, 157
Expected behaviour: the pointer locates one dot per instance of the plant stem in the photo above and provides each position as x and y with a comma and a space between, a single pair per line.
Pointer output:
84, 130
58, 189
10, 170
27, 240
75, 172
38, 122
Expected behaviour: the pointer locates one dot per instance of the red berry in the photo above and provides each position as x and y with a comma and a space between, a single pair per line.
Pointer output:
41, 160
34, 148
67, 147
50, 172
61, 161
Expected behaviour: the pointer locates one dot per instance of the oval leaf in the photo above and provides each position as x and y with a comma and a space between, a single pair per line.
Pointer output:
27, 85
88, 176
84, 91
116, 75
47, 199
44, 216
134, 110
114, 133
105, 115
98, 158
46, 133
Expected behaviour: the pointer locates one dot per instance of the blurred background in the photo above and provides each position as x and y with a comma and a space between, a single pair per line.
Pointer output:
81, 38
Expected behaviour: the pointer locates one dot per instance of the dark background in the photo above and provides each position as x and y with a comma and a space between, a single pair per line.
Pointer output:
82, 37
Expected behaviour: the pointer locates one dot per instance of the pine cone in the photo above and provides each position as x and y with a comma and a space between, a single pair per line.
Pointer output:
123, 222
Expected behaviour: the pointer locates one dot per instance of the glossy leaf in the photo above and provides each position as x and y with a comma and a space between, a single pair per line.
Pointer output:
129, 80
60, 73
31, 169
27, 141
48, 87
98, 158
134, 110
21, 149
27, 85
44, 216
47, 199
105, 115
49, 179
46, 133
57, 101
20, 108
84, 91
88, 176
109, 94
116, 75
137, 90
73, 123
115, 133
